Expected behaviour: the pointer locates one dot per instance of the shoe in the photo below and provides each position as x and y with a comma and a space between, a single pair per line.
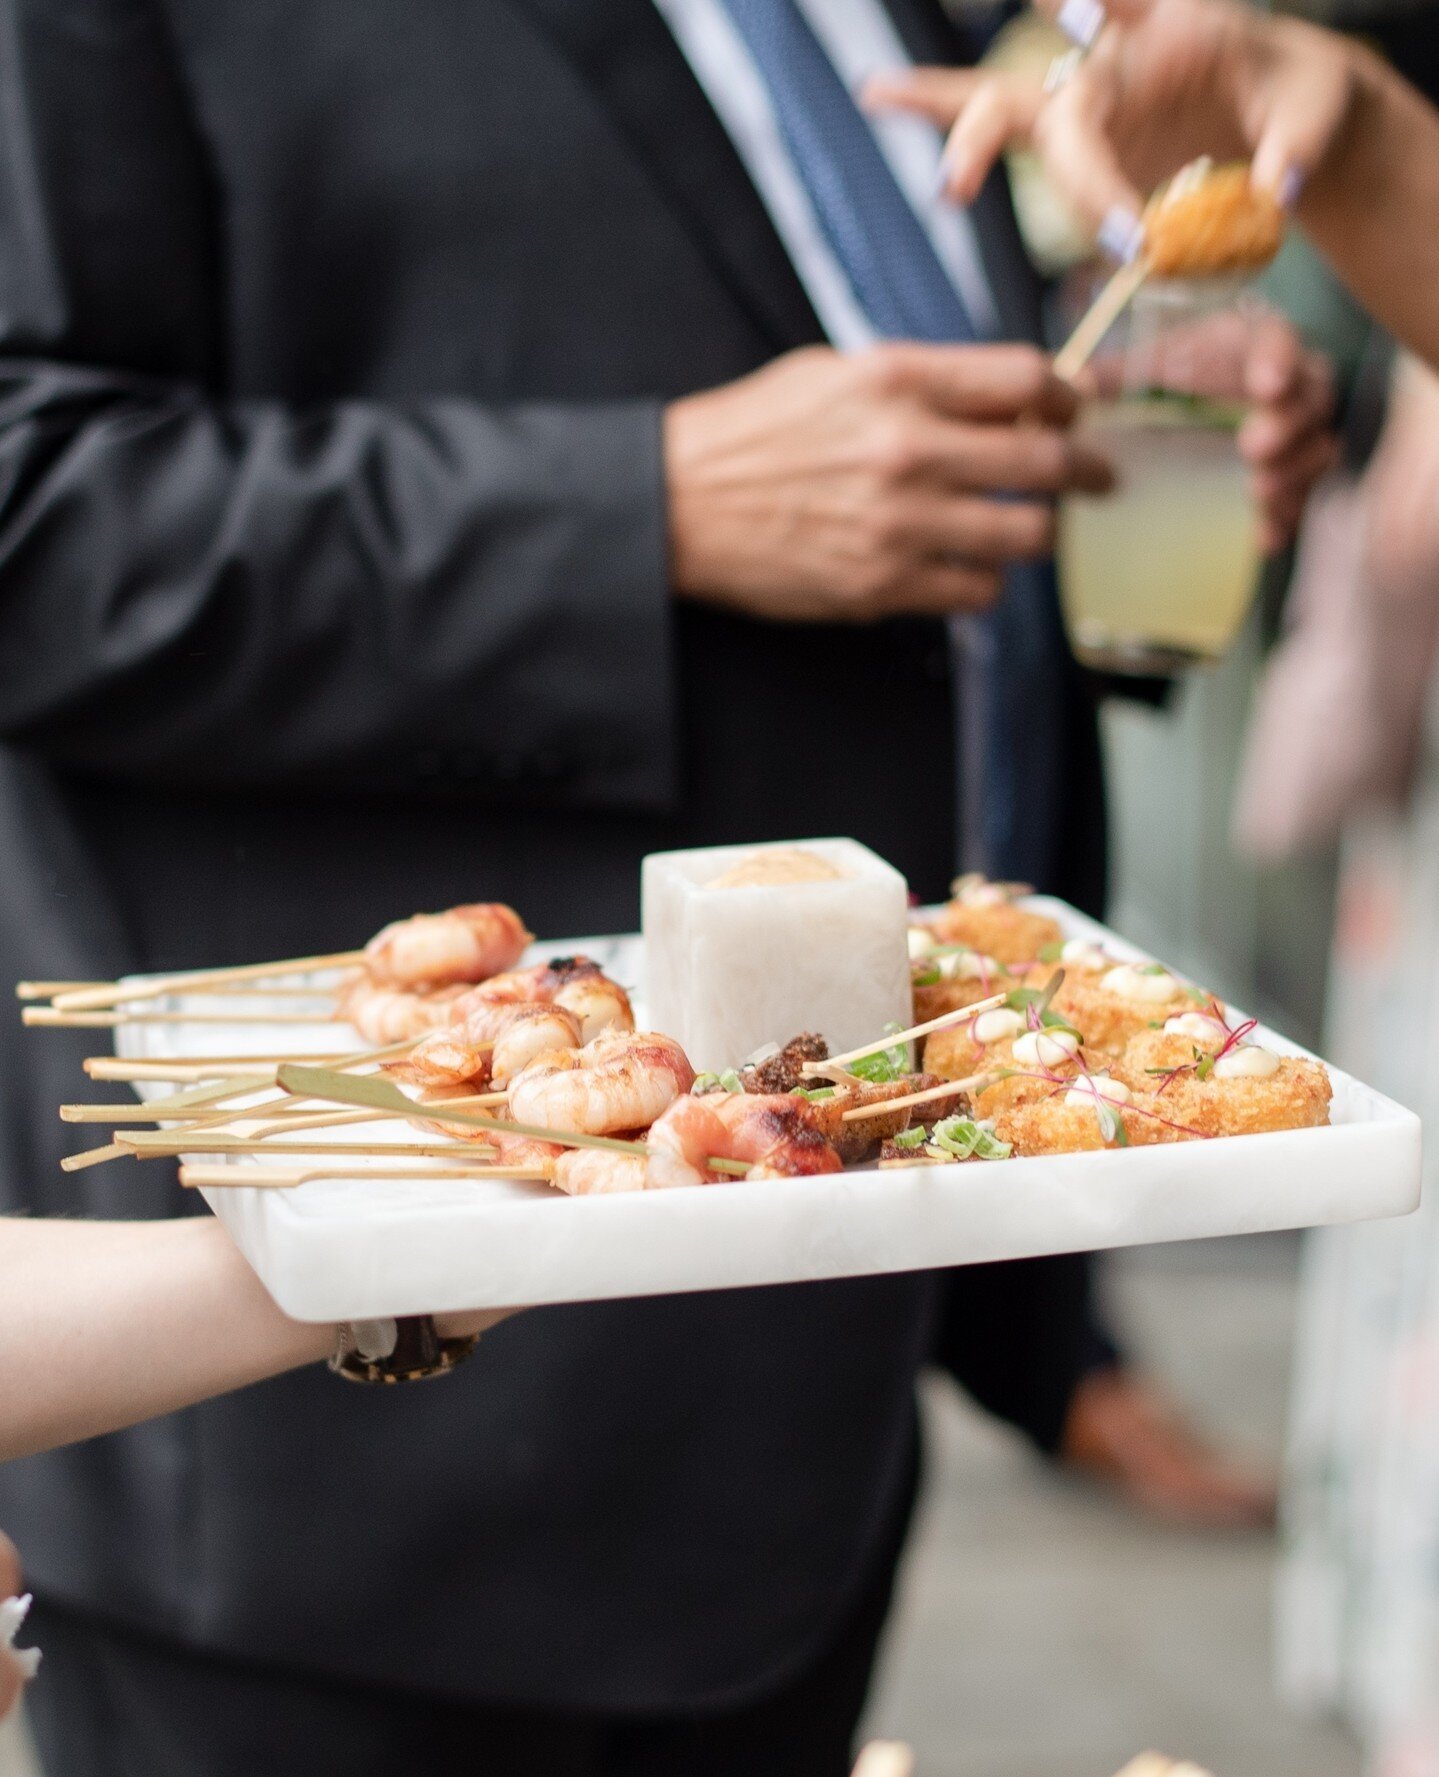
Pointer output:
1122, 1433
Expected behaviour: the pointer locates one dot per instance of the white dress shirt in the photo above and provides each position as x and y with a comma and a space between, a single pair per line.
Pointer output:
860, 39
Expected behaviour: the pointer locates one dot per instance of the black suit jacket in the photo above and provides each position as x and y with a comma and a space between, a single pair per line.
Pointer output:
335, 339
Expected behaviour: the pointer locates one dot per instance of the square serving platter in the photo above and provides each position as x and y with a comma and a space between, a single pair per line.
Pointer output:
366, 1246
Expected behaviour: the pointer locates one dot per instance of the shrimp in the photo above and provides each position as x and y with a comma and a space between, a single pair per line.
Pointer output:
385, 1015
597, 1002
777, 1134
467, 943
574, 982
773, 1131
592, 1172
774, 1134
497, 1038
622, 1080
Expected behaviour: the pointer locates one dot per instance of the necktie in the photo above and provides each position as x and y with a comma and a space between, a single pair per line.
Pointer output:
1011, 661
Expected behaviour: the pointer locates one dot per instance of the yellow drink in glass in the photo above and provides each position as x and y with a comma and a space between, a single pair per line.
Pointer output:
1161, 573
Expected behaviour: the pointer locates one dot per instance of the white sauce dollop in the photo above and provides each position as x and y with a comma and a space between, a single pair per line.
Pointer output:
921, 944
1246, 1061
994, 1027
1133, 983
1046, 1048
1079, 953
1098, 1089
967, 965
983, 894
1198, 1025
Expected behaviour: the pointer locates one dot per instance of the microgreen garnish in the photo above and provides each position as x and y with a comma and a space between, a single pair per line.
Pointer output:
1204, 1067
962, 1138
1111, 1124
1200, 999
928, 978
885, 1065
1051, 953
728, 1081
1152, 969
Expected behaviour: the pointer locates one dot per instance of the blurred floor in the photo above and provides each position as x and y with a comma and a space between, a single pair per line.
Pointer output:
1044, 1632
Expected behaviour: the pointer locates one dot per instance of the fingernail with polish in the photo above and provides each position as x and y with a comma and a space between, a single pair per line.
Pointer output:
948, 175
1121, 234
1081, 21
1291, 188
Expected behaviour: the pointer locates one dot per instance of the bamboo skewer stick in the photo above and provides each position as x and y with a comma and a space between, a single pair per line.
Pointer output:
159, 1110
309, 1082
930, 1094
944, 1020
149, 987
227, 1088
257, 1069
46, 990
93, 1157
168, 1110
51, 1018
164, 1145
275, 1178
1106, 309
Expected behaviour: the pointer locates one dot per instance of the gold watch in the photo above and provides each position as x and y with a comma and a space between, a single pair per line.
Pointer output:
409, 1349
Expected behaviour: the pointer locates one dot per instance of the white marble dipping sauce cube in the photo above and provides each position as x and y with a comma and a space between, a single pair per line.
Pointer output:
730, 969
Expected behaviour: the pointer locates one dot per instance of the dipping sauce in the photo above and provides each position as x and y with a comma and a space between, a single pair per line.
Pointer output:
778, 868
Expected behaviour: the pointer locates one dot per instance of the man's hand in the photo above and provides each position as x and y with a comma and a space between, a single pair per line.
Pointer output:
848, 488
1288, 439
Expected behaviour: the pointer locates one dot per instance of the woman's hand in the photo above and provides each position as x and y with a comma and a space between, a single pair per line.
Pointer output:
1168, 80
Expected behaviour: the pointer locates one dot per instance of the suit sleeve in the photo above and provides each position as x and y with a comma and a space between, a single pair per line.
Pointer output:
217, 592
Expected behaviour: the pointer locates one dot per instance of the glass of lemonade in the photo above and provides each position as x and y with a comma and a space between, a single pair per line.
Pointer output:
1160, 574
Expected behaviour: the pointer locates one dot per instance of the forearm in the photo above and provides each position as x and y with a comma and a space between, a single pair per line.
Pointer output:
103, 1324
1372, 206
394, 595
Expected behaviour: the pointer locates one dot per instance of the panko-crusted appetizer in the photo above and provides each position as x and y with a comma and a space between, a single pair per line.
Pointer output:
949, 977
1016, 1038
1116, 1005
1228, 1085
1209, 220
986, 916
1095, 1110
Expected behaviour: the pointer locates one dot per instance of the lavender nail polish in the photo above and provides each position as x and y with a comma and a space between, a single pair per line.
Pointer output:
1081, 21
1121, 234
1291, 188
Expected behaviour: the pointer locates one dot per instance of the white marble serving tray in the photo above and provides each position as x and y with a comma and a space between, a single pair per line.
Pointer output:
367, 1247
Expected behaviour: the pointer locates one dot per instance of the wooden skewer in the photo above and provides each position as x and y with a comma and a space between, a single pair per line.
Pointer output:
928, 1096
94, 1157
198, 1097
229, 1087
904, 1036
274, 1178
1106, 309
164, 1145
45, 990
885, 1758
150, 987
50, 1018
163, 1110
121, 1070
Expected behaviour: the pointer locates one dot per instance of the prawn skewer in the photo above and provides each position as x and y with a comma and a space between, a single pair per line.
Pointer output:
465, 944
